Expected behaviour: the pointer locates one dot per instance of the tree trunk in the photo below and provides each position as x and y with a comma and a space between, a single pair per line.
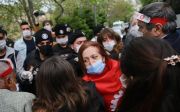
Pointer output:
26, 9
31, 9
62, 9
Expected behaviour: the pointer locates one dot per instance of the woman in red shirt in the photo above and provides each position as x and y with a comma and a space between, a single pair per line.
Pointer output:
103, 71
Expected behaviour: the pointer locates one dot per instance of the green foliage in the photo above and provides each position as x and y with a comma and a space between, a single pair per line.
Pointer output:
80, 14
120, 10
145, 2
83, 19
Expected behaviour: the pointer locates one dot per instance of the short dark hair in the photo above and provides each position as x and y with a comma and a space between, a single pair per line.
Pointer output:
4, 32
24, 23
47, 21
162, 10
97, 29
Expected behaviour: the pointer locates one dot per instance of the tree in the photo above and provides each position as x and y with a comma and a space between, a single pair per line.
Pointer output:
81, 15
120, 10
13, 12
145, 2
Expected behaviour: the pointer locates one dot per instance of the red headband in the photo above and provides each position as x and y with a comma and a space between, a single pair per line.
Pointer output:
147, 19
6, 72
162, 21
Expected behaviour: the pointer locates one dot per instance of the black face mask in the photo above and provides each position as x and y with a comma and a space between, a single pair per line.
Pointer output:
46, 50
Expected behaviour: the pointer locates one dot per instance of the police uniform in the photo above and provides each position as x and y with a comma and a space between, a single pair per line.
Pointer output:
33, 62
66, 52
9, 42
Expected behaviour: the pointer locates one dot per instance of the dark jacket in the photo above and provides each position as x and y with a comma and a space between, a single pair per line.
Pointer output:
32, 60
68, 54
9, 42
174, 40
95, 101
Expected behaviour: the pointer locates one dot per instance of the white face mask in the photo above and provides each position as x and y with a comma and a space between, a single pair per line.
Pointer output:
48, 27
2, 44
62, 41
26, 33
134, 30
109, 45
77, 48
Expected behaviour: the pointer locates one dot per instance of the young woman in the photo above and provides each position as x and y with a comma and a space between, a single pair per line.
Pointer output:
111, 41
152, 68
103, 71
58, 90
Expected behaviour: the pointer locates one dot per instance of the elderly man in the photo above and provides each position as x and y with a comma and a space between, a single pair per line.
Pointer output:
10, 100
159, 20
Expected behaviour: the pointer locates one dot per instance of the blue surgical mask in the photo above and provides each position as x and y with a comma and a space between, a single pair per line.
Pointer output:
96, 68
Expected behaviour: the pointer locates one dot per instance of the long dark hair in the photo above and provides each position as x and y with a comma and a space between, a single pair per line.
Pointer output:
57, 87
153, 84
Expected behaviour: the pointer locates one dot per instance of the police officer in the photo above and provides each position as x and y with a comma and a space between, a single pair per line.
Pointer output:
75, 42
61, 48
33, 61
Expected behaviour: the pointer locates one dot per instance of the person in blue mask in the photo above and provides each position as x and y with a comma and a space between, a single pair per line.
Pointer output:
103, 71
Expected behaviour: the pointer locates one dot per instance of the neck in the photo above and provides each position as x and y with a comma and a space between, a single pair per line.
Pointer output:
28, 38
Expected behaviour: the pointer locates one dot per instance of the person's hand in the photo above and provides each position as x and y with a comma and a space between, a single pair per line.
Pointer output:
27, 75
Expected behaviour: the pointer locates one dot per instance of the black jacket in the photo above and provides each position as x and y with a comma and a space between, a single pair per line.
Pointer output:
68, 54
95, 101
174, 40
32, 60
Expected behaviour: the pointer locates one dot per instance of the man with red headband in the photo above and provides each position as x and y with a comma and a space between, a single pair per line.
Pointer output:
11, 101
158, 20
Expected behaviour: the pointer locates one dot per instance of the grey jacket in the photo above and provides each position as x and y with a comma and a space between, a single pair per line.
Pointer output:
11, 101
20, 46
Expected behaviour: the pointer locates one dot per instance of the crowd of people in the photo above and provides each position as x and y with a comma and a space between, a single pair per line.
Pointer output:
57, 69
